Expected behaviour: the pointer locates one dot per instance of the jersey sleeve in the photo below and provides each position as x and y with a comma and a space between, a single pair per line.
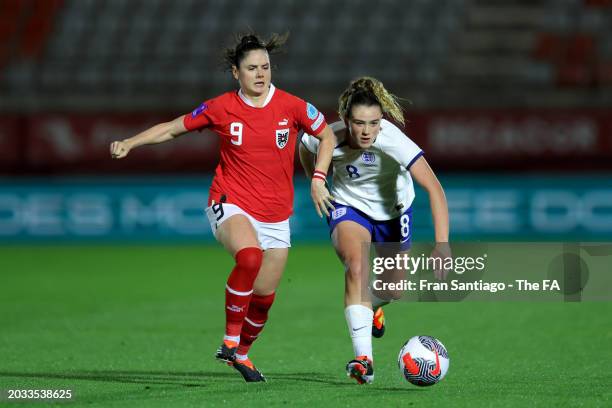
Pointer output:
310, 142
309, 119
401, 147
201, 117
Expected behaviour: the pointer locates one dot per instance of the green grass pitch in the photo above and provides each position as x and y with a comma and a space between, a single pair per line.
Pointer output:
131, 326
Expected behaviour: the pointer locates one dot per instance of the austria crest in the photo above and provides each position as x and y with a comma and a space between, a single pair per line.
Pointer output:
282, 137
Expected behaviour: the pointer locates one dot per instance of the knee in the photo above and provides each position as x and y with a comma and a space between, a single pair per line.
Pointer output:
249, 259
354, 270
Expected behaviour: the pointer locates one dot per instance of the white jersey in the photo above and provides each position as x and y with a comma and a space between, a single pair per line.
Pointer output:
377, 180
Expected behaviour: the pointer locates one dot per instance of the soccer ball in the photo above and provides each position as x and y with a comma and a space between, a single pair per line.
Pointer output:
423, 360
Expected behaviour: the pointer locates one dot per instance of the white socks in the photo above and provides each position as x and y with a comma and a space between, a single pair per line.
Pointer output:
235, 339
359, 321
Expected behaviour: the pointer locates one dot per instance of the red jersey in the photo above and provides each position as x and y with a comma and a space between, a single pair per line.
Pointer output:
257, 149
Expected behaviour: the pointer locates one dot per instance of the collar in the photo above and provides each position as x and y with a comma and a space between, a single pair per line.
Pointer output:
248, 101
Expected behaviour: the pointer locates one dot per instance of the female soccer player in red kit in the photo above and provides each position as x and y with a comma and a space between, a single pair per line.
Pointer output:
251, 197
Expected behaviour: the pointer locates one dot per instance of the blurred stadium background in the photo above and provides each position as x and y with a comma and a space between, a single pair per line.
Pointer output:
510, 100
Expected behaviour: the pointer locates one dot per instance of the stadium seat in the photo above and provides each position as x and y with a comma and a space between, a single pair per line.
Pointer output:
604, 73
171, 44
574, 75
598, 3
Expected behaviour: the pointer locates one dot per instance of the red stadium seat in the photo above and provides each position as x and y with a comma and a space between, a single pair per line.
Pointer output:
580, 49
598, 3
574, 75
604, 73
38, 26
9, 27
549, 47
557, 48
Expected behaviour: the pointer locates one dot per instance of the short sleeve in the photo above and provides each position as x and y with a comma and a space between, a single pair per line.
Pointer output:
201, 117
310, 142
309, 118
400, 146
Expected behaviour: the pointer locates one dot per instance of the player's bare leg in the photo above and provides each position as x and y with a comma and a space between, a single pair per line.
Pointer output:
382, 298
239, 238
237, 233
349, 238
393, 275
273, 265
271, 272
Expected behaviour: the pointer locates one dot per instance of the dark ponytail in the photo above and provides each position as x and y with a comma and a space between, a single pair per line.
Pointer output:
233, 56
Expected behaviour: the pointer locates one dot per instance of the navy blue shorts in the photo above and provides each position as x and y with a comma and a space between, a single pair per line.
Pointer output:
397, 230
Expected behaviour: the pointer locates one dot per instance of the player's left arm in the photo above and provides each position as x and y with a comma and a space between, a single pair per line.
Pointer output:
320, 195
424, 175
307, 159
410, 156
312, 121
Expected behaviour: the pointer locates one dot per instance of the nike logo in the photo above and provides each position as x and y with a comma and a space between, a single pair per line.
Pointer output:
359, 328
410, 364
436, 371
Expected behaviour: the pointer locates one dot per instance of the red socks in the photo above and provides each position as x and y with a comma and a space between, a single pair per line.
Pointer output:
239, 288
245, 313
254, 322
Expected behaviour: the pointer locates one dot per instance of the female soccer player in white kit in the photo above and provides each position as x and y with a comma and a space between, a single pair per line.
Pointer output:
374, 164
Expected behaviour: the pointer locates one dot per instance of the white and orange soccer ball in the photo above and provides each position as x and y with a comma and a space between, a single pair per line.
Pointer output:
423, 360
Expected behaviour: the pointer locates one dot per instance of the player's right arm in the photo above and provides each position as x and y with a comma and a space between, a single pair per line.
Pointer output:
157, 134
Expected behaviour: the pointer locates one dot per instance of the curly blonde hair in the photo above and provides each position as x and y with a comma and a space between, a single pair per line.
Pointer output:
370, 91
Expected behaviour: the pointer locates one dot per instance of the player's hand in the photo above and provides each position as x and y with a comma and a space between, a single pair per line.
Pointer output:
119, 150
442, 251
321, 197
